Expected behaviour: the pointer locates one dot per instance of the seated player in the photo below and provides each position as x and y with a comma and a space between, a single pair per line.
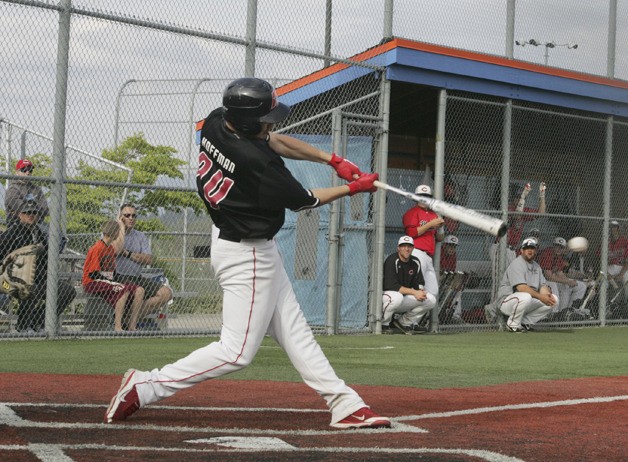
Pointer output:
98, 276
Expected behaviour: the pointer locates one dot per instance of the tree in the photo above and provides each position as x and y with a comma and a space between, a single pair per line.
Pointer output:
89, 205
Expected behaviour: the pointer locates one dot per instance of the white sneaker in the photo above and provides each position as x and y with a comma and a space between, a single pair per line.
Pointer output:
167, 284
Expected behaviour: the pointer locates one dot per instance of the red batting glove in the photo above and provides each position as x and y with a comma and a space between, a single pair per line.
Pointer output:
345, 169
363, 184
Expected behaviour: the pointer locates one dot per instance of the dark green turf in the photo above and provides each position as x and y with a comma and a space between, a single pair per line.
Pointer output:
425, 361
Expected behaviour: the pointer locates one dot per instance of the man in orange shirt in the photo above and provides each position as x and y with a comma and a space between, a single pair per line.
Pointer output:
100, 264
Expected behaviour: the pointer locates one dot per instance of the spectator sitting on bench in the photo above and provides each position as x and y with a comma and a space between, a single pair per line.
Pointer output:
98, 280
136, 254
25, 231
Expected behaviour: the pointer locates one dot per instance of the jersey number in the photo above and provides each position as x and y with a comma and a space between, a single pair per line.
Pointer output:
217, 187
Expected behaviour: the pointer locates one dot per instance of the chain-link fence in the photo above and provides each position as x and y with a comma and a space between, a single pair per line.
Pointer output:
103, 100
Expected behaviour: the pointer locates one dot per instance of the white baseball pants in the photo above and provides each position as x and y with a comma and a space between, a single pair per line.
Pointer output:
412, 309
567, 295
522, 308
258, 299
429, 274
614, 270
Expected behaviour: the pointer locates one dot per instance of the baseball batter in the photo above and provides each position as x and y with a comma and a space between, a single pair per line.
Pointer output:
246, 187
425, 227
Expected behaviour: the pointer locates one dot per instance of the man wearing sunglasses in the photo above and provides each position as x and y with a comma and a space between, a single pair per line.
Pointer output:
135, 255
22, 190
32, 311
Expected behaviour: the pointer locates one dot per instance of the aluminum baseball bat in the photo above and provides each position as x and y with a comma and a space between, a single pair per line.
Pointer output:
478, 220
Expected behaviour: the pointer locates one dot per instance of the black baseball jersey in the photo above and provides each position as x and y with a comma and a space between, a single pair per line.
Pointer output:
398, 273
245, 185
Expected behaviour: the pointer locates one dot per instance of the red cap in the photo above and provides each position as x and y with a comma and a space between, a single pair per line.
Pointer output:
23, 163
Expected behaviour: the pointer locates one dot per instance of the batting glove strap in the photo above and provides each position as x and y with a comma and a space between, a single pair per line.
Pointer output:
363, 184
345, 169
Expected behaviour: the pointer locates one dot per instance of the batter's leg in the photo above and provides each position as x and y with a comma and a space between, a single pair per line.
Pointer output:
290, 329
246, 275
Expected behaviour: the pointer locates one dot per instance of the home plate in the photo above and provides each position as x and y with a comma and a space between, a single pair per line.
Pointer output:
243, 442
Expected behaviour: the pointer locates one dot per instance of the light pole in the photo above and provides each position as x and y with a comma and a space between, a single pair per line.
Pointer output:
547, 45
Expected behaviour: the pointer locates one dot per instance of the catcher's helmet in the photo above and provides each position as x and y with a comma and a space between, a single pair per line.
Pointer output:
249, 102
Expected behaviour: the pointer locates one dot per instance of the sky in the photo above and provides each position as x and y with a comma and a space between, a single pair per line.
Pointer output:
167, 68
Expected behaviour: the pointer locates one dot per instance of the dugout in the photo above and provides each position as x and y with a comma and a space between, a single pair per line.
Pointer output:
495, 118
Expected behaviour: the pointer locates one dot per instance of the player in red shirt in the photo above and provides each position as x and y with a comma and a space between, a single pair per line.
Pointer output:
425, 228
98, 269
448, 254
618, 256
555, 267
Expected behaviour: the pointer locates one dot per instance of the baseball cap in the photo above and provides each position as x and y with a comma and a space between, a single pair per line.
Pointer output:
530, 242
423, 190
22, 163
451, 239
406, 240
29, 206
614, 223
560, 241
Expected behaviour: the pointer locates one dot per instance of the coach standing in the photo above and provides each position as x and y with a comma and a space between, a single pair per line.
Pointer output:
246, 188
425, 227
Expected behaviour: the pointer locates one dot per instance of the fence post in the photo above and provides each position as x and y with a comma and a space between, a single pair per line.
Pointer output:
332, 270
606, 209
58, 164
251, 32
379, 207
612, 37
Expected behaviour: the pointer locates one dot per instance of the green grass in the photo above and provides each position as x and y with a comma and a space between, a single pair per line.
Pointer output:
424, 361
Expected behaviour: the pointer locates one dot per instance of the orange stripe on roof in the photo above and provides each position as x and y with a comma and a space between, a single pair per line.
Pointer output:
318, 75
453, 52
500, 61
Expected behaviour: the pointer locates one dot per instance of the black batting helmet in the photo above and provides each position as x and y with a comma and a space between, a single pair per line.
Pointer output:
249, 102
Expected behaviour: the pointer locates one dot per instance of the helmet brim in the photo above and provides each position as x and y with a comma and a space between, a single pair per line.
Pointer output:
277, 114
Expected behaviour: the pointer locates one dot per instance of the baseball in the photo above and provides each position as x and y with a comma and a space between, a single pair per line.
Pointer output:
578, 244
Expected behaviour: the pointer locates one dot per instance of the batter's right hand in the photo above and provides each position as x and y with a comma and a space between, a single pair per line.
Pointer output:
345, 169
363, 184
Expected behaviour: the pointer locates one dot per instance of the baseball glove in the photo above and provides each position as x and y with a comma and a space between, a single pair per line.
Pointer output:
17, 271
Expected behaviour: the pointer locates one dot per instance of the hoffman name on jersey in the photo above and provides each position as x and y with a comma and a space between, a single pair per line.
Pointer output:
218, 156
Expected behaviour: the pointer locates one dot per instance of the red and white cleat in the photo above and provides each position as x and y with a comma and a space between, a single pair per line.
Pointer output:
363, 418
125, 402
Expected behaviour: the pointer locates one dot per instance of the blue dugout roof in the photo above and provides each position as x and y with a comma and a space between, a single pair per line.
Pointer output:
453, 69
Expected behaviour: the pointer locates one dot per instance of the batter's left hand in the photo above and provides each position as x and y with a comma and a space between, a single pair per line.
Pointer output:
363, 184
345, 169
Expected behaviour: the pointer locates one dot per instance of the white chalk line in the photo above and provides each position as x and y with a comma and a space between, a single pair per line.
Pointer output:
514, 407
54, 452
10, 418
489, 456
